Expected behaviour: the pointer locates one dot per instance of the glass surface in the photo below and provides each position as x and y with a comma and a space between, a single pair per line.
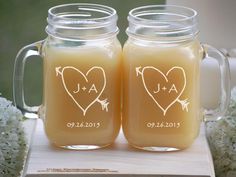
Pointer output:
81, 105
165, 79
161, 106
81, 77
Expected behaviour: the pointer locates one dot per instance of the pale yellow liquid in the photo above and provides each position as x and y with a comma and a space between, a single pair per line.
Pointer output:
177, 128
66, 124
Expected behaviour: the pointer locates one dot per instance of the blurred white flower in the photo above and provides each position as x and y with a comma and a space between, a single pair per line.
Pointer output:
12, 141
222, 140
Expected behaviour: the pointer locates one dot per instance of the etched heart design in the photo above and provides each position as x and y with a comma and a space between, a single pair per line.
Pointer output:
165, 89
84, 89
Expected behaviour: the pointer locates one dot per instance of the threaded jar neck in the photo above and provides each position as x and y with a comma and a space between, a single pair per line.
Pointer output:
162, 22
82, 21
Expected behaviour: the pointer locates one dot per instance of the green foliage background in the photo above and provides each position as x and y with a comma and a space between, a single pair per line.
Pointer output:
23, 22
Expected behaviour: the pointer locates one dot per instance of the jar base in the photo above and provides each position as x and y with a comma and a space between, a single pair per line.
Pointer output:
158, 149
83, 147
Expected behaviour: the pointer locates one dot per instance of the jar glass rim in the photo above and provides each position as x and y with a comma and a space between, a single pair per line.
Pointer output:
80, 21
135, 13
163, 22
111, 13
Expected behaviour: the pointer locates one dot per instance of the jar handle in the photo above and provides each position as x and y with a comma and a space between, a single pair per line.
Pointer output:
215, 114
18, 78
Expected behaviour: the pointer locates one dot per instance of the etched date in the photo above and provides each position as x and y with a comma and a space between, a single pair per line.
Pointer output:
83, 124
163, 124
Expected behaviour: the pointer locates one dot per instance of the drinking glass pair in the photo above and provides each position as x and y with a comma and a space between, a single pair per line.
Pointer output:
87, 77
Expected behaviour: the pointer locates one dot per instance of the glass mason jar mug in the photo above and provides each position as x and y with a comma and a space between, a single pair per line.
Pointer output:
81, 68
162, 56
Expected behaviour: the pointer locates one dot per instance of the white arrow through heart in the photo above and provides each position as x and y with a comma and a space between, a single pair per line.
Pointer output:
104, 103
184, 103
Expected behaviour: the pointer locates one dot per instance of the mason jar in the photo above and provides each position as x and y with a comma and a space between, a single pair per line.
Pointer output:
81, 76
162, 56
